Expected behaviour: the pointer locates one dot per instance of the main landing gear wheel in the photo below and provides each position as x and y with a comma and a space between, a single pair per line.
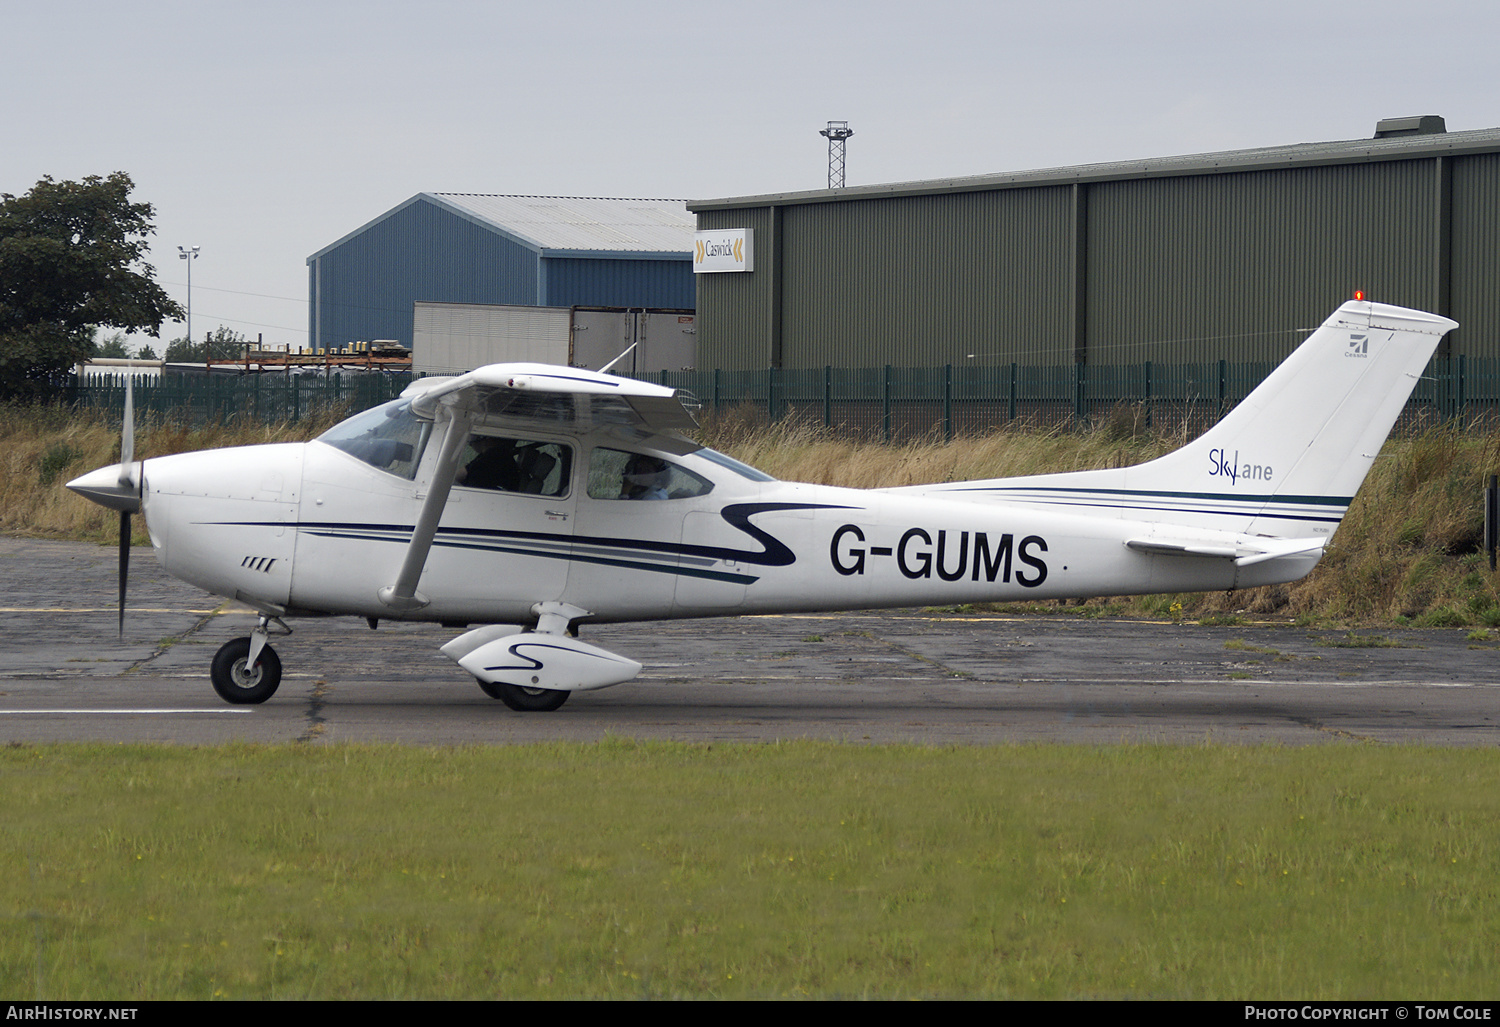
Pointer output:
526, 700
242, 685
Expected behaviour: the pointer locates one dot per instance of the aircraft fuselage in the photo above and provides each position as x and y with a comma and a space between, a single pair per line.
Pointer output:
308, 528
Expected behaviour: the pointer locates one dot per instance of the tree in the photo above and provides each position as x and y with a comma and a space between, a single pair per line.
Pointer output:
71, 262
223, 344
112, 345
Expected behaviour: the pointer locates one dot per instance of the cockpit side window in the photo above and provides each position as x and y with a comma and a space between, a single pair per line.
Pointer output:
504, 463
389, 438
616, 474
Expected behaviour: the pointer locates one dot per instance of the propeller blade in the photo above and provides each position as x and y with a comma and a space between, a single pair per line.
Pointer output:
124, 563
129, 479
127, 434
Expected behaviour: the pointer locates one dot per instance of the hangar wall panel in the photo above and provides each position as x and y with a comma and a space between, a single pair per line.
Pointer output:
914, 281
736, 322
928, 280
577, 281
1476, 255
1203, 268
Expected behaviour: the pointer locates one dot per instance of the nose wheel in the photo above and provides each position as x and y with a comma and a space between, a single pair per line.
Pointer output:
239, 681
246, 671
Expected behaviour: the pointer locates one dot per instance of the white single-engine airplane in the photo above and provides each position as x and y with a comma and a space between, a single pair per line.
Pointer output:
533, 499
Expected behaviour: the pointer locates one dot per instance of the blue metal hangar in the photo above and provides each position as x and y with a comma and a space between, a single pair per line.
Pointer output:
545, 251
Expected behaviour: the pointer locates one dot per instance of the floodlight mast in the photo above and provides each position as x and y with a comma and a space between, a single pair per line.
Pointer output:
189, 254
836, 133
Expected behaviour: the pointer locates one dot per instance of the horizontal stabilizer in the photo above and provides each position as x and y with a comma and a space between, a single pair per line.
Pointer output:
1243, 555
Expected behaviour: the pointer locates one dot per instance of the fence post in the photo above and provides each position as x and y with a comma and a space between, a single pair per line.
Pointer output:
1012, 416
1223, 385
1459, 408
296, 398
947, 402
1148, 395
828, 395
1079, 412
886, 403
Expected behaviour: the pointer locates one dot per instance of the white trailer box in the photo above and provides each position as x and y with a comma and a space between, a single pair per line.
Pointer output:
450, 338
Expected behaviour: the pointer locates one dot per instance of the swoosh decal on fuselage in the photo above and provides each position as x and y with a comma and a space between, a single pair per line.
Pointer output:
608, 550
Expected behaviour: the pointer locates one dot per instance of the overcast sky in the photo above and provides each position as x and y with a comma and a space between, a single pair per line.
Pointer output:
264, 130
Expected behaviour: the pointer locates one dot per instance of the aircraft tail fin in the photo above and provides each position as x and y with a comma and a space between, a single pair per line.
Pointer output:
1288, 459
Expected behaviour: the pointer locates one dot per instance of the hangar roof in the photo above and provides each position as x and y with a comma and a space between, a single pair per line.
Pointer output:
1351, 151
567, 226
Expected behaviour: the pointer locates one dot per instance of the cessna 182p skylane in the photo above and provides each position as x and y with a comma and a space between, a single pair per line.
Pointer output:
533, 499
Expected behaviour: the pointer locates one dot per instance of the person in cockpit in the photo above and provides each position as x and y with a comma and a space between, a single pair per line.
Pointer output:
645, 478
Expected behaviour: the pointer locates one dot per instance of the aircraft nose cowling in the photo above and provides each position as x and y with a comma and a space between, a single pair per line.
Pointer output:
226, 519
103, 487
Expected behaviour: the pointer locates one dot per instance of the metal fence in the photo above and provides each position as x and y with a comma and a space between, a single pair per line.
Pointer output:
894, 403
259, 398
888, 403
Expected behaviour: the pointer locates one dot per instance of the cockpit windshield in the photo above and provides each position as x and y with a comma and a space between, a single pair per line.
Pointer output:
743, 470
388, 437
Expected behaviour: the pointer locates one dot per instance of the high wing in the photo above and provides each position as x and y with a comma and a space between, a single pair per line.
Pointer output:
561, 398
568, 400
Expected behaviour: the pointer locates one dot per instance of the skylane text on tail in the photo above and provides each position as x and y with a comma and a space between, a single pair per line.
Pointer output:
533, 500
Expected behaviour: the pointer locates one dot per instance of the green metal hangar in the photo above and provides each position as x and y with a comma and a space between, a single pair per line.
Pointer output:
555, 252
1218, 256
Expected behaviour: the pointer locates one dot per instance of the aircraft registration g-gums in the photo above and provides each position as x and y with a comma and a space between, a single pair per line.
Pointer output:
535, 500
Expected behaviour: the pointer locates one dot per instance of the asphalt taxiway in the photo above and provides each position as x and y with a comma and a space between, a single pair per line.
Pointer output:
887, 676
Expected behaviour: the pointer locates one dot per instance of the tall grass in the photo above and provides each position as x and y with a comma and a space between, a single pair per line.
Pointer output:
44, 447
1407, 553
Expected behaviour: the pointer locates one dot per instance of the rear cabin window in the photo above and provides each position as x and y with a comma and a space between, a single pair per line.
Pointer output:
616, 474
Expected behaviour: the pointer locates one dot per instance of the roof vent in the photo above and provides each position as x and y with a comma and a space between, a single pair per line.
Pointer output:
1420, 125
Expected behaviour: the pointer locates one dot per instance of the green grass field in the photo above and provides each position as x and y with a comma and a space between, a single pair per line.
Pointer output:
628, 869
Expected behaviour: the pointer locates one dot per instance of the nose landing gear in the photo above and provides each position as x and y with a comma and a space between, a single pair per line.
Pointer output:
246, 671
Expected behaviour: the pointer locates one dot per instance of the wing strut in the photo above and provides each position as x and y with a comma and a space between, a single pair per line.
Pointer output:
403, 596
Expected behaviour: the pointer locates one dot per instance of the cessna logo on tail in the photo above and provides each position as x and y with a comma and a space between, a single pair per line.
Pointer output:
1359, 346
